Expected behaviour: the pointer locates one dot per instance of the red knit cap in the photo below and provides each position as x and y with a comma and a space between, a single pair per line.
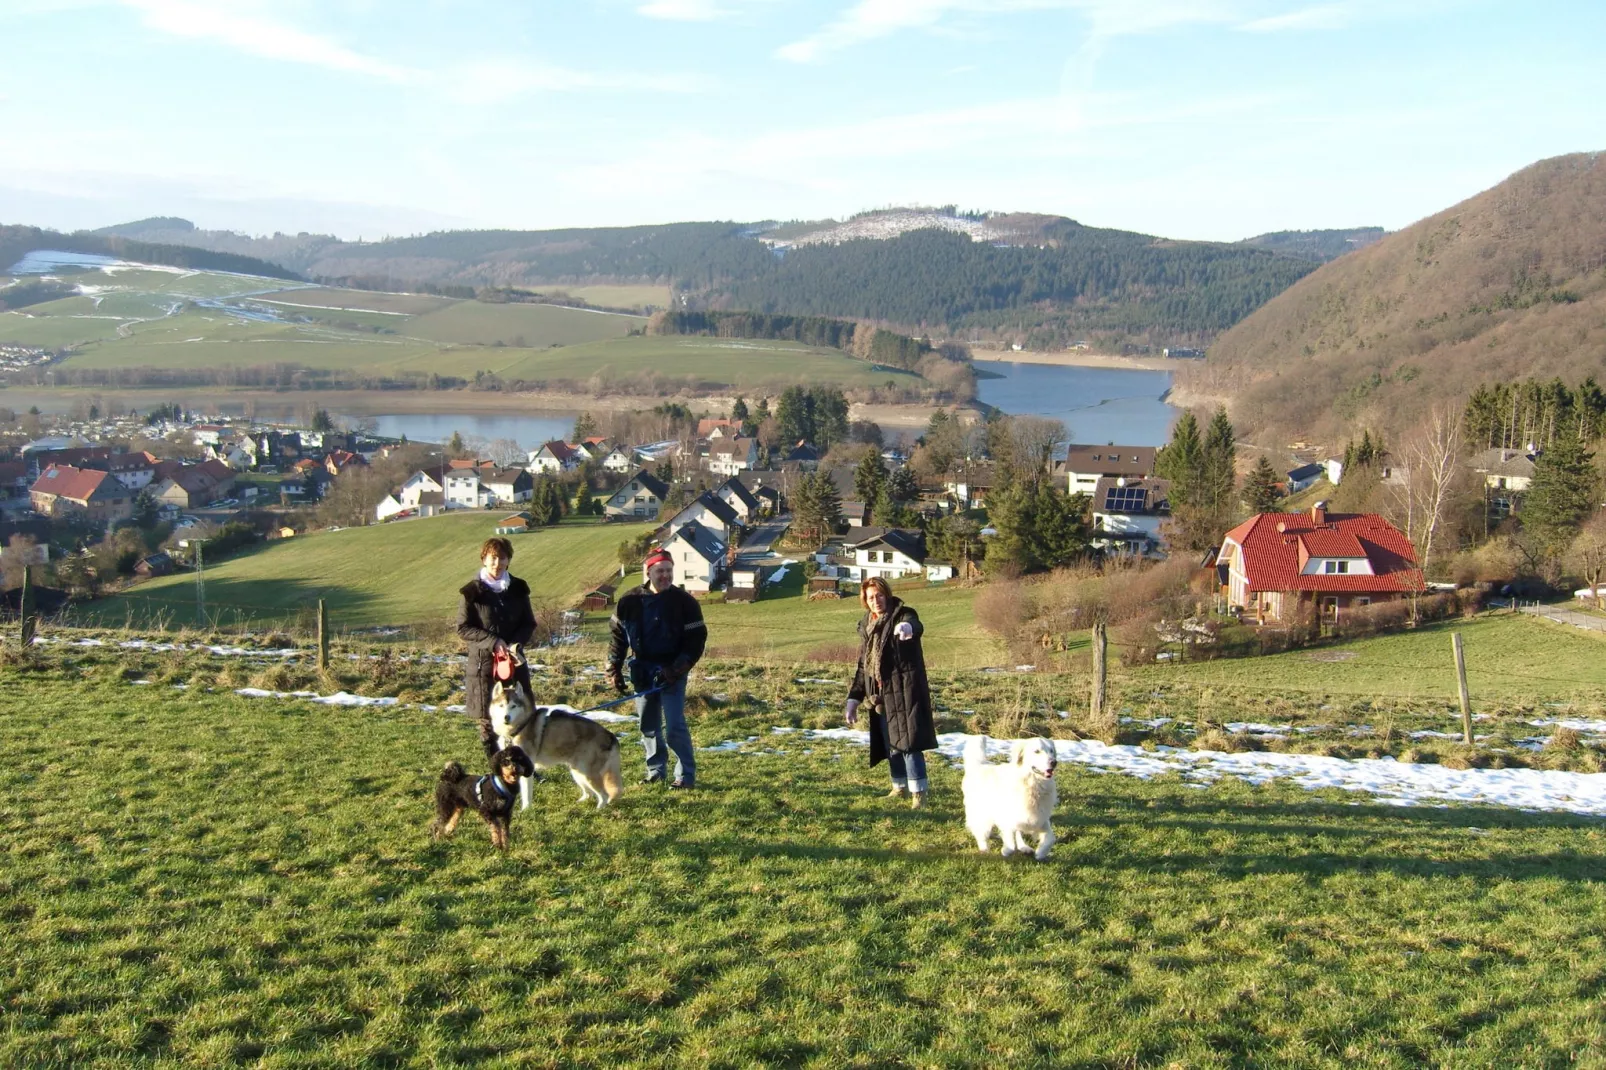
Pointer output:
656, 556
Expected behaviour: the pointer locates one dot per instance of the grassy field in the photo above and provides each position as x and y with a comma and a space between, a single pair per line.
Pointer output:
787, 626
709, 360
391, 574
362, 300
614, 296
233, 881
519, 325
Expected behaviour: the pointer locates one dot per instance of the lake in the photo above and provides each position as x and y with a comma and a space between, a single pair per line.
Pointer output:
1097, 405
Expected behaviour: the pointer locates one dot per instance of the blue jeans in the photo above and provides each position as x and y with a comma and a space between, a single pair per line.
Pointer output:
908, 770
664, 714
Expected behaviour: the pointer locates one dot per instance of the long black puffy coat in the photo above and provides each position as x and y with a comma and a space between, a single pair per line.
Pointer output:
900, 681
484, 617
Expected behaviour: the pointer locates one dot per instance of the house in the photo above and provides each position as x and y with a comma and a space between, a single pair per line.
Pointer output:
1128, 512
718, 427
517, 524
598, 597
743, 502
939, 571
970, 485
711, 513
415, 488
641, 497
62, 490
305, 486
157, 564
1306, 475
1277, 562
768, 486
195, 485
892, 553
509, 486
13, 480
208, 434
727, 456
699, 556
556, 456
1507, 475
463, 490
338, 461
618, 460
136, 471
1183, 353
73, 456
1084, 466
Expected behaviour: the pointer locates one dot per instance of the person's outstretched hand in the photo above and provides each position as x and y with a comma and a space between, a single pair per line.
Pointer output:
850, 712
904, 630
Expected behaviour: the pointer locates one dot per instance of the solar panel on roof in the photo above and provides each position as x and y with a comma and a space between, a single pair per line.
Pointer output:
1124, 500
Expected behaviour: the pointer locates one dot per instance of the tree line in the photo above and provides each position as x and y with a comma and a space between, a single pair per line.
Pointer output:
1528, 414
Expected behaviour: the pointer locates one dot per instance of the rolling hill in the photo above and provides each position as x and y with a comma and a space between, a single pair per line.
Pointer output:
1506, 285
1037, 279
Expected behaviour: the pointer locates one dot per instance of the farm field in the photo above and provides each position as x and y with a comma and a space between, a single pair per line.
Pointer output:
242, 880
612, 296
522, 326
362, 300
402, 573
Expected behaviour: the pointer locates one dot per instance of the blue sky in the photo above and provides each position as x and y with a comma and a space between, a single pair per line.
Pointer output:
1214, 119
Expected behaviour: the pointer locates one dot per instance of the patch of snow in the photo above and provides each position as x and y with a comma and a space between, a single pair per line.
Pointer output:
1576, 726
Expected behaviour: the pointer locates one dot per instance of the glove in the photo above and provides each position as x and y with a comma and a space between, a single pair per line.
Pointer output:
616, 678
674, 671
904, 630
850, 712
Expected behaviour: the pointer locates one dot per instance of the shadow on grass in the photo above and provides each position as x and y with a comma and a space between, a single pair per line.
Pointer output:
229, 602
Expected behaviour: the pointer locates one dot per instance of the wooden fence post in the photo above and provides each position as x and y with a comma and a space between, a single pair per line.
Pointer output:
1100, 673
323, 635
26, 624
1461, 687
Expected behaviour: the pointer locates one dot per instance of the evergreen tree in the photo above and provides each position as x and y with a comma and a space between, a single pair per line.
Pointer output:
1013, 548
957, 537
1260, 489
902, 485
1182, 460
321, 421
816, 507
585, 426
1220, 468
455, 448
869, 479
1564, 492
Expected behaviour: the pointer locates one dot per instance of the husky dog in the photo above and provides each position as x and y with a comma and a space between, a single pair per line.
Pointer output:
553, 736
489, 796
1014, 799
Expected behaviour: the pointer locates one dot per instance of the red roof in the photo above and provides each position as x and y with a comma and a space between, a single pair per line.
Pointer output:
65, 481
1275, 547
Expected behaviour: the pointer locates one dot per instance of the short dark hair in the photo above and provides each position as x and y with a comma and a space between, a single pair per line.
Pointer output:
879, 584
503, 548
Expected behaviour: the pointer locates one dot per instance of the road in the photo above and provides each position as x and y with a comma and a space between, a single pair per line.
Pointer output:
755, 550
1563, 615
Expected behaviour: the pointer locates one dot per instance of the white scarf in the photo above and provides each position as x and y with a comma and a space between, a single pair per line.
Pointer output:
496, 585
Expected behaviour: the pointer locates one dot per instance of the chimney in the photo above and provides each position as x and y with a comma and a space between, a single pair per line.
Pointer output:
1318, 513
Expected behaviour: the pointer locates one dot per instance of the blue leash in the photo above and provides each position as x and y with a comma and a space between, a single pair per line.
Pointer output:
624, 699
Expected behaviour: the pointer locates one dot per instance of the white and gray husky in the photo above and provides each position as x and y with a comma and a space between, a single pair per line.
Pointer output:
555, 735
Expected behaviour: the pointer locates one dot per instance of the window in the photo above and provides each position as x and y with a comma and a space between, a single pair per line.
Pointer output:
1335, 567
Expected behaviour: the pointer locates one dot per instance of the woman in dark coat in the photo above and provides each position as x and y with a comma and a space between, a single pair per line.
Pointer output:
891, 679
495, 615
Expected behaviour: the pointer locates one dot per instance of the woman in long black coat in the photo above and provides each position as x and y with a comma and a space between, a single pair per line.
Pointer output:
891, 679
495, 614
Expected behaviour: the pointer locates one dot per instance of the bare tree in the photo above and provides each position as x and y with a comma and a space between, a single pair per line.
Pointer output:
1588, 555
1037, 441
1432, 471
505, 451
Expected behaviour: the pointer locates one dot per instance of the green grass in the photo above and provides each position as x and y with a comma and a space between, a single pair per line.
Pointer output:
614, 296
335, 299
519, 325
29, 328
391, 574
785, 625
232, 881
732, 361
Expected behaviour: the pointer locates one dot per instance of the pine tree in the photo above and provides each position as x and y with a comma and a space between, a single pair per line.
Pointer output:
869, 478
1260, 489
585, 426
902, 485
1220, 468
1564, 492
1181, 460
816, 507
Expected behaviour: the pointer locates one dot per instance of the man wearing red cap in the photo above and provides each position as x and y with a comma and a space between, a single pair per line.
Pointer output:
661, 627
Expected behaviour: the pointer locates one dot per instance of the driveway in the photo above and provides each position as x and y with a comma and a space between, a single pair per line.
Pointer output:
758, 542
1564, 615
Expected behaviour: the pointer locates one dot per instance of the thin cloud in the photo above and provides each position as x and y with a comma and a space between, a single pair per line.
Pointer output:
502, 79
257, 35
1325, 17
683, 10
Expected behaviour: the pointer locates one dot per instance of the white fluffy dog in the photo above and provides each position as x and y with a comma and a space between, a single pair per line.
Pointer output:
1014, 799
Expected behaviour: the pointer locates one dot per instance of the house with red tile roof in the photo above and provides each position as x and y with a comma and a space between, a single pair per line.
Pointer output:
62, 489
556, 456
1274, 563
194, 485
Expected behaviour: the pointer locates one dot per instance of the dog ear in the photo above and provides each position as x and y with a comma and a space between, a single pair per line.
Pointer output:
1017, 753
496, 689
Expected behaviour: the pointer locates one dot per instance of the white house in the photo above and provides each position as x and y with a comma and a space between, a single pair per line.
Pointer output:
135, 471
893, 553
463, 490
1086, 465
727, 456
1335, 469
1127, 514
741, 500
618, 460
711, 513
1507, 475
509, 486
641, 497
699, 556
556, 456
1306, 475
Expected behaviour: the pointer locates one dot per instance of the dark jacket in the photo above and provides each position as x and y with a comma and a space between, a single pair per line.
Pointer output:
680, 629
898, 683
482, 619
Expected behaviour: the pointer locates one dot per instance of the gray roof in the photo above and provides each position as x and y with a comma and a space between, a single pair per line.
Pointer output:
1110, 460
737, 490
910, 543
1306, 471
700, 539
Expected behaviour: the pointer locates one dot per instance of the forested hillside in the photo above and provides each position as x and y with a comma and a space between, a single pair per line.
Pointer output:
1316, 245
1051, 281
1508, 285
17, 241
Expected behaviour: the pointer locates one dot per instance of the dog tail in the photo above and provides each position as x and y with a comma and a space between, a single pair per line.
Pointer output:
975, 751
452, 773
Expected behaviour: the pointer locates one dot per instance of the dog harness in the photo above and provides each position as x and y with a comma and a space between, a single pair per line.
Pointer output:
496, 782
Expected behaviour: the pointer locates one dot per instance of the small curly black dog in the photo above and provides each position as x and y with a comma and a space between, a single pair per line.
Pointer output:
491, 796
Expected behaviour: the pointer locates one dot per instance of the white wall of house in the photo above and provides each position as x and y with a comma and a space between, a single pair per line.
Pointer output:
699, 512
618, 461
1081, 482
633, 499
884, 562
504, 494
465, 492
693, 571
135, 479
1129, 523
1337, 566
